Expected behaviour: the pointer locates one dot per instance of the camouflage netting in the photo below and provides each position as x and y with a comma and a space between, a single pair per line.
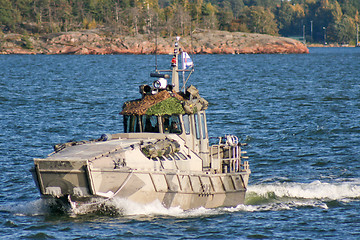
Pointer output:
160, 148
166, 103
141, 106
169, 106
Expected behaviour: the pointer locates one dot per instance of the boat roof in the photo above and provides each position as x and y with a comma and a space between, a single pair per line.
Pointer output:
92, 150
162, 103
166, 102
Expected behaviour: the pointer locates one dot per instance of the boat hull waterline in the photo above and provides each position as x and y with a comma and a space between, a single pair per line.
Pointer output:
187, 191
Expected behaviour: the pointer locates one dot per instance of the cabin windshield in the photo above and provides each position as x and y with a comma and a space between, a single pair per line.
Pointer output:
171, 124
131, 124
150, 123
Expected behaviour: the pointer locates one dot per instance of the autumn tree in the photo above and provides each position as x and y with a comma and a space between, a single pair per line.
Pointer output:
343, 30
209, 19
290, 19
260, 20
225, 16
336, 18
8, 16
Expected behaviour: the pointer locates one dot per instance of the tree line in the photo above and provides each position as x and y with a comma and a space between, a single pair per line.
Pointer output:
318, 20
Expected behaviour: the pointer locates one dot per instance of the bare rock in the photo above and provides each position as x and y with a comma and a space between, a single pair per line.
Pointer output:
96, 42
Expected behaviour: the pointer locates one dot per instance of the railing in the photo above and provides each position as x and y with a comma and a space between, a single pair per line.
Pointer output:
225, 157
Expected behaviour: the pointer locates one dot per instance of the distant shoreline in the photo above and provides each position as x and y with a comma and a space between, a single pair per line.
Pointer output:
96, 42
330, 45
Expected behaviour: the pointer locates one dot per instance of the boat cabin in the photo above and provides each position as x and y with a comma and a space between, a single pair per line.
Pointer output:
168, 112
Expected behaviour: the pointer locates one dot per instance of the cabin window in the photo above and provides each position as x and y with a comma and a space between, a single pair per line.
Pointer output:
150, 123
131, 123
171, 124
197, 128
186, 124
182, 156
169, 157
202, 117
174, 156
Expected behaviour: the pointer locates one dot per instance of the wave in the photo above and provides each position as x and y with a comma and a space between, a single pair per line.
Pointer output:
340, 191
33, 208
260, 197
127, 209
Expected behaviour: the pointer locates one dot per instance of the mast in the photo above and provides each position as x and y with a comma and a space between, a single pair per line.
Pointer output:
175, 69
357, 35
175, 66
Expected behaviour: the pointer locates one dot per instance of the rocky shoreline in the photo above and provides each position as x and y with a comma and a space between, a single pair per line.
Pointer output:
97, 42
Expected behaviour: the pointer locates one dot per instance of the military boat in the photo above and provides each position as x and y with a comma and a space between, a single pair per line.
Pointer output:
162, 155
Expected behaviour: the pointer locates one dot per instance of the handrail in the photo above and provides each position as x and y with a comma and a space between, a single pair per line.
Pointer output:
226, 158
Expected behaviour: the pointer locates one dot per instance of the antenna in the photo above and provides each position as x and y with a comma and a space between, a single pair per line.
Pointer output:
191, 46
192, 67
156, 43
357, 35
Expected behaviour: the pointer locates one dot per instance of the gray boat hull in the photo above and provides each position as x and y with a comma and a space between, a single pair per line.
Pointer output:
183, 190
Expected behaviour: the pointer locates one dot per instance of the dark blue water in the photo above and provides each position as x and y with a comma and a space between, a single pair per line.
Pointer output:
299, 114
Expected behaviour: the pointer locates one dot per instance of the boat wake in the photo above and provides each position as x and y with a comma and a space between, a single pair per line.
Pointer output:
342, 191
260, 197
33, 208
285, 195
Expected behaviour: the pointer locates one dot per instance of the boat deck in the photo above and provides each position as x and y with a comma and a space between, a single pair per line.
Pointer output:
91, 150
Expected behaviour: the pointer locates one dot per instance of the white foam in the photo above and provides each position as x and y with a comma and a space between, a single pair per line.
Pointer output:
273, 197
276, 206
128, 207
314, 190
33, 208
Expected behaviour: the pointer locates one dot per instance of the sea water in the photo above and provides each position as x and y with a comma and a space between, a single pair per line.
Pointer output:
299, 115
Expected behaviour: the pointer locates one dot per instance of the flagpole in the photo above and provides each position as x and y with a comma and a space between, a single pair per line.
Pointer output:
183, 67
187, 62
